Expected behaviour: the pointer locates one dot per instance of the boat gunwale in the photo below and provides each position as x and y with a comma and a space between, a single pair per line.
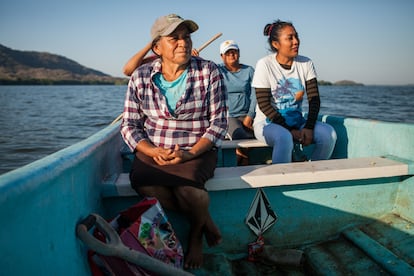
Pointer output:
30, 176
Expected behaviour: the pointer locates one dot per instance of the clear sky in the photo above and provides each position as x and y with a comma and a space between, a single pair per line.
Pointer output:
367, 41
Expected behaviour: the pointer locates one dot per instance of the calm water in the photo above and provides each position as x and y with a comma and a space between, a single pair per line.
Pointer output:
38, 120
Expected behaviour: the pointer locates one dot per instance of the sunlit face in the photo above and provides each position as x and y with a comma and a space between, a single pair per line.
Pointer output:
231, 56
176, 47
288, 44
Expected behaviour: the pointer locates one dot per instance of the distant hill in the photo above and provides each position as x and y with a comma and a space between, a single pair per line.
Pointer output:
348, 83
29, 67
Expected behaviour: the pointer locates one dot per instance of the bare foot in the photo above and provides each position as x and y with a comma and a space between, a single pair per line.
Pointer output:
239, 152
194, 256
212, 233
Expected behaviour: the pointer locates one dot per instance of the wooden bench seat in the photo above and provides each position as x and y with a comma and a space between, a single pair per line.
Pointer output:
258, 152
256, 176
244, 143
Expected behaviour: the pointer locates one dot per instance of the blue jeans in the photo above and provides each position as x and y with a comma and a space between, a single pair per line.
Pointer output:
278, 137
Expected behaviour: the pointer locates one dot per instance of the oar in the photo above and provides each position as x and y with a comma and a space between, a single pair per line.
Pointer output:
209, 42
198, 50
117, 118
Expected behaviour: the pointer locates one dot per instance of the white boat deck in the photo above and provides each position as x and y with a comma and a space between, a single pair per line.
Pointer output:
258, 176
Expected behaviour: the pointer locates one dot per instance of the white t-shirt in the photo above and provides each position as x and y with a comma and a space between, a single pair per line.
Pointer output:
287, 86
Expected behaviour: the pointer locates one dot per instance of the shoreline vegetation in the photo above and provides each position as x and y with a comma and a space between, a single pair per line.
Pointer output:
41, 68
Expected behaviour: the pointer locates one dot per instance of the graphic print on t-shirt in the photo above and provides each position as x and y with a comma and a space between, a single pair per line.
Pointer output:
288, 97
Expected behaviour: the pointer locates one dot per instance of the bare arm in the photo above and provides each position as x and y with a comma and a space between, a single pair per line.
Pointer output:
137, 59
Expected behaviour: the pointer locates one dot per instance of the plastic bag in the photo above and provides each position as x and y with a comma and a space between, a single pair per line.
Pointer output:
143, 227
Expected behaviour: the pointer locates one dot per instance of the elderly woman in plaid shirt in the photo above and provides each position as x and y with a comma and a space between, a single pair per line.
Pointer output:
175, 115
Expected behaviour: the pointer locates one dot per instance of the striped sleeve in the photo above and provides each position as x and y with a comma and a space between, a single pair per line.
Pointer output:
312, 93
263, 97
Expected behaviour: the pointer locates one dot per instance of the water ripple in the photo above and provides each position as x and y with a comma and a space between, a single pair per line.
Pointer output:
39, 120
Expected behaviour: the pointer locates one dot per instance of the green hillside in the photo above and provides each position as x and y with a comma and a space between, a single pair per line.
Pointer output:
29, 67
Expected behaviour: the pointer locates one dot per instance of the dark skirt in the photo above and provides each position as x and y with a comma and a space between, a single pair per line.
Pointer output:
195, 172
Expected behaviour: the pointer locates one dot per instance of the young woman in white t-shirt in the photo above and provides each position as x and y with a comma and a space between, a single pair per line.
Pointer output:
282, 80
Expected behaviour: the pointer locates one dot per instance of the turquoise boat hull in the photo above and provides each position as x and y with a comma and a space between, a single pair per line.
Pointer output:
41, 204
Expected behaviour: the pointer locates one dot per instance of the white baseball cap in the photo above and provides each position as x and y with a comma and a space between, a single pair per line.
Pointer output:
228, 45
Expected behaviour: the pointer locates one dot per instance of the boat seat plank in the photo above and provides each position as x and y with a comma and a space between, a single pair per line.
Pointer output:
243, 143
325, 170
257, 176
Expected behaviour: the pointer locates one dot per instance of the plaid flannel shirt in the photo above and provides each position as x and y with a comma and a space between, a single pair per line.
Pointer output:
200, 112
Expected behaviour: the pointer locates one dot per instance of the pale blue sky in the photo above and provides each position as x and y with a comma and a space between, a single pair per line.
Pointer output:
368, 41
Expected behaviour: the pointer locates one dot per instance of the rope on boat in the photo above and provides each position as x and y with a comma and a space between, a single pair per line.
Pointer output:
199, 50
